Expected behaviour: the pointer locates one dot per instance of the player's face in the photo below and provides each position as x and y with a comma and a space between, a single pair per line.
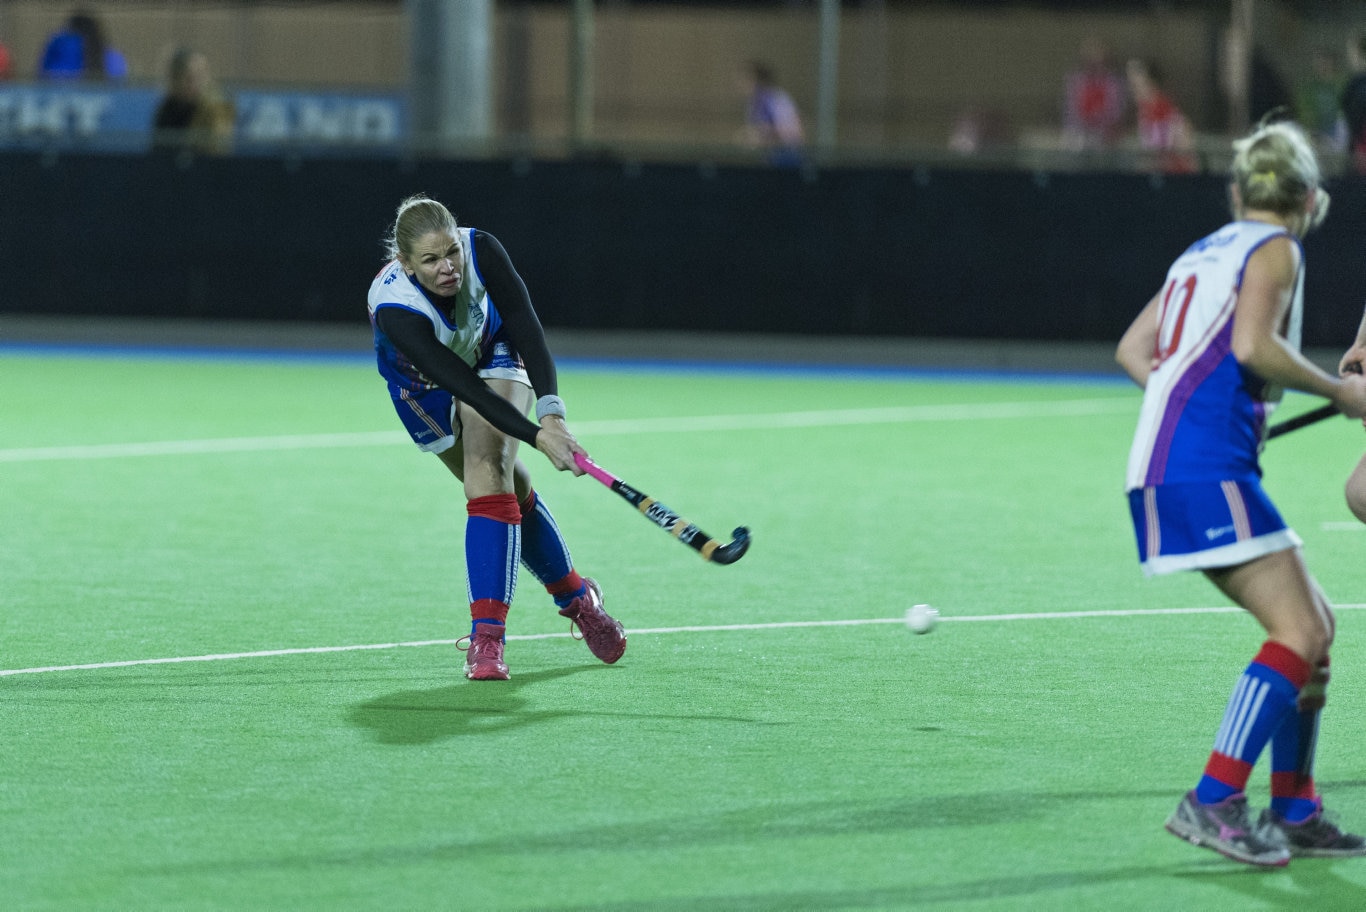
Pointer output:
438, 263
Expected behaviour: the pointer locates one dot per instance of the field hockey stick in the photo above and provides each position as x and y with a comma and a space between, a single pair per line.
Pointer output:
1314, 416
668, 520
1300, 421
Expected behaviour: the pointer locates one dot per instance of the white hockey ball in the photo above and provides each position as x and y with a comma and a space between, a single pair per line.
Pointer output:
921, 618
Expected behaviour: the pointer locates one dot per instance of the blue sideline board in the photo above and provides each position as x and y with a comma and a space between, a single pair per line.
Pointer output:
99, 118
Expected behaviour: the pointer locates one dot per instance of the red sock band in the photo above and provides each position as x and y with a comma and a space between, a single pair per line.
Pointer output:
1286, 662
498, 507
1290, 785
570, 584
489, 610
1229, 770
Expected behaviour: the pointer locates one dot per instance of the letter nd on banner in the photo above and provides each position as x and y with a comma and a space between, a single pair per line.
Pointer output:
90, 117
267, 121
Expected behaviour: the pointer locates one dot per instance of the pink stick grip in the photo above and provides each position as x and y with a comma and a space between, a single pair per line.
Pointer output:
592, 468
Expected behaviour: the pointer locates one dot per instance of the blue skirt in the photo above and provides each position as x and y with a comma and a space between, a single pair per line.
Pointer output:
1206, 525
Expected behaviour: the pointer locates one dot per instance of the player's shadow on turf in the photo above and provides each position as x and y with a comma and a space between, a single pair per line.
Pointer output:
1314, 884
474, 708
468, 708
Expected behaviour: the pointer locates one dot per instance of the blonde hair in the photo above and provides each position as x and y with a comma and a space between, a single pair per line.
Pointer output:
1276, 170
417, 216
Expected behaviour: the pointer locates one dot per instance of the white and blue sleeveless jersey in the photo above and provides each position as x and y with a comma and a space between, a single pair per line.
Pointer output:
1204, 415
464, 323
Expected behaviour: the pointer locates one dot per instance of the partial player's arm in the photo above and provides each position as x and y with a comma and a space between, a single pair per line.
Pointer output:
1354, 361
1136, 348
1263, 300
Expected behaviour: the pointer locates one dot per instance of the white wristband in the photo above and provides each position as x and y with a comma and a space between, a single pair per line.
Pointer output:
549, 405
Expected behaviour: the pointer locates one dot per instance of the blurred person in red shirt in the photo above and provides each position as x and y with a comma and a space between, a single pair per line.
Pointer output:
1094, 102
1162, 128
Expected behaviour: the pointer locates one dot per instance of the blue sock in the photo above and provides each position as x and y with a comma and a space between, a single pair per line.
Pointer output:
545, 553
1264, 697
492, 550
1293, 796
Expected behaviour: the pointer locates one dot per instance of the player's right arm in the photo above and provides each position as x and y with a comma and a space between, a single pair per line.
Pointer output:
1136, 348
411, 333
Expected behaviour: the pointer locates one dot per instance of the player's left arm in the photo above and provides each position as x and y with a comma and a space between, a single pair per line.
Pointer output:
510, 296
1263, 301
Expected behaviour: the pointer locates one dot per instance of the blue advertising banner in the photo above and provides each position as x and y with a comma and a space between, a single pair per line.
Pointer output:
273, 119
91, 117
82, 116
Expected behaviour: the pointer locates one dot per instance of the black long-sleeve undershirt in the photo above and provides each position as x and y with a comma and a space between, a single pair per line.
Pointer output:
413, 335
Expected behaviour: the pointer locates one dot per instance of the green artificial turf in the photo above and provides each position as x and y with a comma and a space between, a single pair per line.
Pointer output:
997, 763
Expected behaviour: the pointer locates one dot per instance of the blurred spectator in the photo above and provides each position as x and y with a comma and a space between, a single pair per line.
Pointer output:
772, 122
1162, 127
80, 51
977, 130
1353, 102
6, 67
1268, 91
1317, 102
1093, 101
193, 114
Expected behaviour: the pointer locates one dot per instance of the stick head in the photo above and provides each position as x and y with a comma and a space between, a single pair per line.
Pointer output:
730, 553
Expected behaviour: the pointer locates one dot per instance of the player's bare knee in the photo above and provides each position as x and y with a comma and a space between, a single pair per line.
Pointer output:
488, 471
1313, 641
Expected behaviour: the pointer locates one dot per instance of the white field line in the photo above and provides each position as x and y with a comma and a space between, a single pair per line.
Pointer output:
1062, 408
714, 628
1346, 526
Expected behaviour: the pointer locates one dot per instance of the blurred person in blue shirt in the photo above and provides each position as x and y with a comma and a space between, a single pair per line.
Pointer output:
772, 122
80, 51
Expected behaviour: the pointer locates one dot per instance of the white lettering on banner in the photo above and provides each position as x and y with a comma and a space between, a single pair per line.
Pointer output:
73, 115
282, 119
267, 121
86, 111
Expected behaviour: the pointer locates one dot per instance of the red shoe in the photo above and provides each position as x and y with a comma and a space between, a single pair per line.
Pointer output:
603, 633
484, 654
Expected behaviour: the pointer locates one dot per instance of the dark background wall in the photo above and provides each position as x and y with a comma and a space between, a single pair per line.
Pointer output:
602, 244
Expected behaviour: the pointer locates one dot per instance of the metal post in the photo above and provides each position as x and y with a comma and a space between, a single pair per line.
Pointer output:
581, 74
1238, 65
827, 90
450, 94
